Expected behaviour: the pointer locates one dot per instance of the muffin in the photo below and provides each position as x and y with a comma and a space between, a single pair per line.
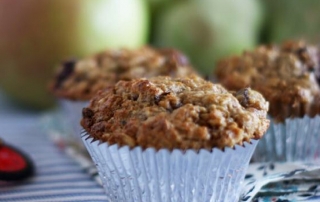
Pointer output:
173, 139
287, 75
76, 81
80, 80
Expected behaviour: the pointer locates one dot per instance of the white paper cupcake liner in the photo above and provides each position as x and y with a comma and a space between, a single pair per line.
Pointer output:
294, 140
150, 175
73, 115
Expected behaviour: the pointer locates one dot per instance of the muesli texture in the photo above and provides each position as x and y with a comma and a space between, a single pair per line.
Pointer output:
81, 79
184, 113
287, 75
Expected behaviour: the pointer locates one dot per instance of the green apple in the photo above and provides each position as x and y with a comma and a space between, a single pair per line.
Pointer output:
207, 30
112, 24
294, 19
36, 35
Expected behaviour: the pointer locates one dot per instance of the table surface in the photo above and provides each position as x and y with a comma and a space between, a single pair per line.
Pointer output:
58, 177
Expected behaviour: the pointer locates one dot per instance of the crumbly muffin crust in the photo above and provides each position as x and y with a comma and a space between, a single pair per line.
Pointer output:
185, 113
287, 76
80, 80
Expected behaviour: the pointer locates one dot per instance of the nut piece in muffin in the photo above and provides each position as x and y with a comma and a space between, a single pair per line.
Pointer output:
80, 80
286, 75
183, 113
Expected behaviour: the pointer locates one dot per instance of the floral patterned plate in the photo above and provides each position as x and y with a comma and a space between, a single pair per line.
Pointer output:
282, 182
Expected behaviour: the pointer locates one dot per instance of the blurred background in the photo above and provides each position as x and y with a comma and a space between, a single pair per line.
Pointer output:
36, 35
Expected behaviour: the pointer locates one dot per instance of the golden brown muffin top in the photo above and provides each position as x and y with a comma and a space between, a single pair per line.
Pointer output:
80, 80
184, 113
286, 75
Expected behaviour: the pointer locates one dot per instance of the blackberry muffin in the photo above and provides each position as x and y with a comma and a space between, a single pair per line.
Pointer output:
80, 80
76, 81
287, 75
162, 138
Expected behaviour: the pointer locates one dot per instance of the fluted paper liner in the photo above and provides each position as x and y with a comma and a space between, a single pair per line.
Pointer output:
163, 175
295, 139
73, 113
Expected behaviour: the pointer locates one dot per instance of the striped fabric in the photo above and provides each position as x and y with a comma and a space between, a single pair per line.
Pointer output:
58, 177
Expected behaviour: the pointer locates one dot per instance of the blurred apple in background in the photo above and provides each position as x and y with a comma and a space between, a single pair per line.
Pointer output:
294, 19
35, 35
207, 30
156, 5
